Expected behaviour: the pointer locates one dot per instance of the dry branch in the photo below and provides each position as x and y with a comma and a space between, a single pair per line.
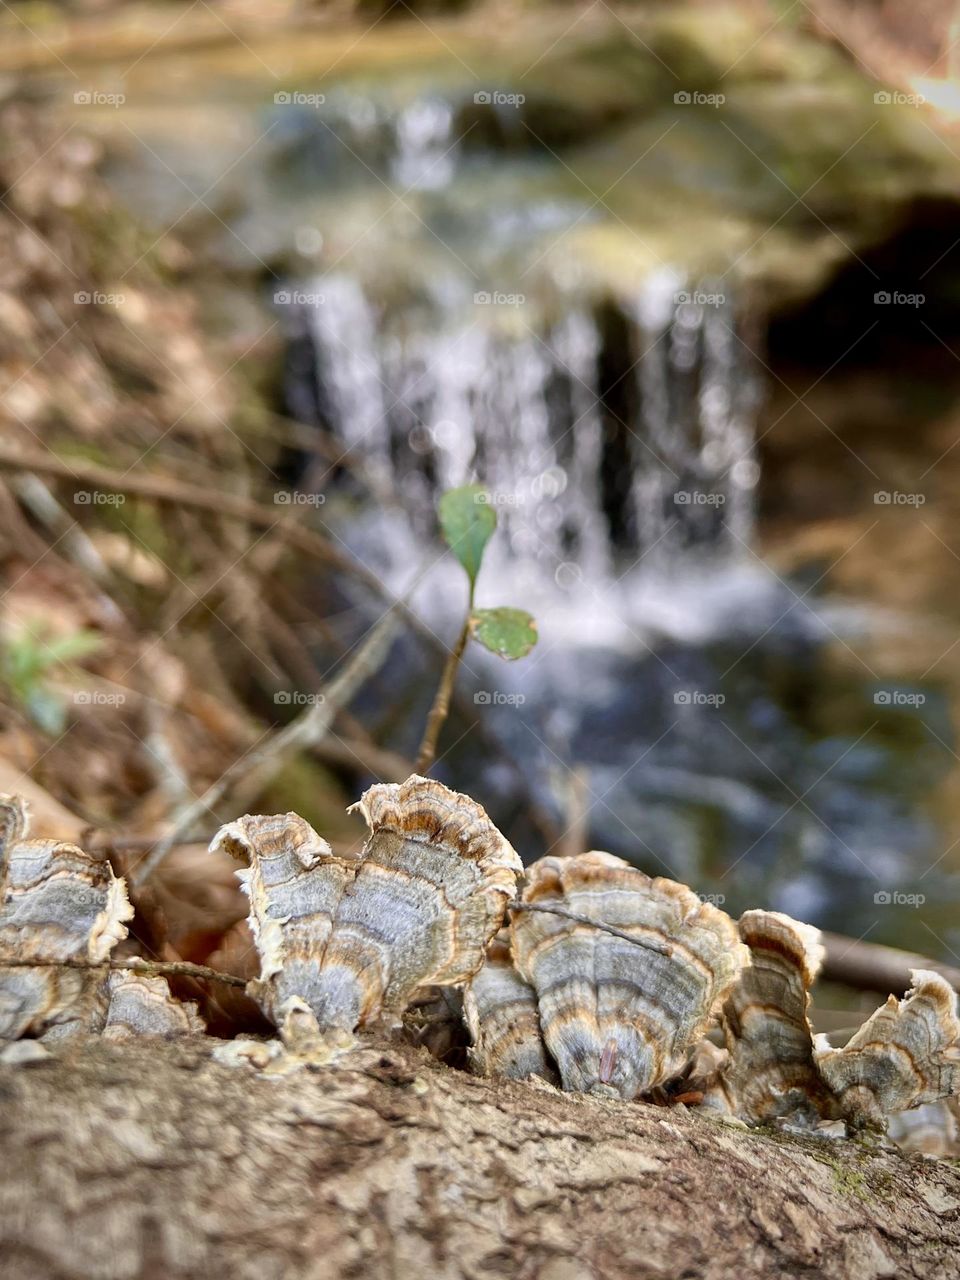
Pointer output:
180, 493
152, 968
356, 755
248, 775
649, 944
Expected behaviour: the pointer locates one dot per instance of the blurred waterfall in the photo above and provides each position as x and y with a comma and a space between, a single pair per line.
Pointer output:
604, 457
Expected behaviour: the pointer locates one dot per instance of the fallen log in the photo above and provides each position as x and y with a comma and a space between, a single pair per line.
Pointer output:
871, 966
150, 1159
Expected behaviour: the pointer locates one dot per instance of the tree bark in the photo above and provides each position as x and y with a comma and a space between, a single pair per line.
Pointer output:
150, 1159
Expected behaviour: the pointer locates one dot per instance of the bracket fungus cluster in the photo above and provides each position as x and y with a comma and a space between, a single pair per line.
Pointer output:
597, 978
906, 1055
355, 938
62, 913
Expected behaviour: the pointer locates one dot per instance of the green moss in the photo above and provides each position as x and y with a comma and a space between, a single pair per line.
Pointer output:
863, 1184
881, 1183
850, 1182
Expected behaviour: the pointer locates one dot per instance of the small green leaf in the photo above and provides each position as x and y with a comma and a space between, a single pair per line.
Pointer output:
467, 520
510, 633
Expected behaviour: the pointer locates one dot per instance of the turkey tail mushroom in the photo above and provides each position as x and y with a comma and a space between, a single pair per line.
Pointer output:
60, 904
770, 1072
617, 1017
906, 1054
502, 1017
355, 938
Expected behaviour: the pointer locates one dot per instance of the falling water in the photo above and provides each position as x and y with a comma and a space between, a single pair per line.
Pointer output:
424, 156
615, 433
495, 393
342, 327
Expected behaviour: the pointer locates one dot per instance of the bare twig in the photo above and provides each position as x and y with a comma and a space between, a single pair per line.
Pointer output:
881, 978
152, 968
250, 773
661, 948
310, 728
38, 499
168, 489
180, 493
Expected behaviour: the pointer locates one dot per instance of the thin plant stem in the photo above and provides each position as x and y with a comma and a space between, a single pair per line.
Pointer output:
441, 702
